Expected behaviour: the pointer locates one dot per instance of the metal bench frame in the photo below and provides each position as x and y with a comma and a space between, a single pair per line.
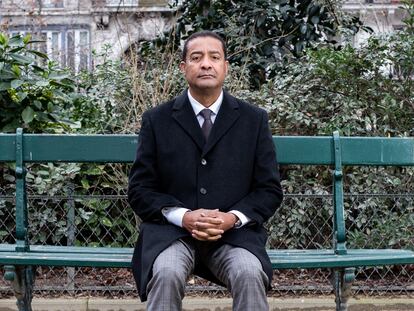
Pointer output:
20, 259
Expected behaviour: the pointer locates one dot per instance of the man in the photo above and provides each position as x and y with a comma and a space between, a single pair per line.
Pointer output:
204, 181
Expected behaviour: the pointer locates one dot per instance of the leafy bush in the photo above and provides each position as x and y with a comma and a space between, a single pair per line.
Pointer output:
34, 92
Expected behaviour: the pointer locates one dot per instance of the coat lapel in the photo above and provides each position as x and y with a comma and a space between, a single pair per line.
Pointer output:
183, 113
227, 115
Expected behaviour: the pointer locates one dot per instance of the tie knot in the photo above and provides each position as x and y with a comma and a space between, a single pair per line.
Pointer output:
206, 114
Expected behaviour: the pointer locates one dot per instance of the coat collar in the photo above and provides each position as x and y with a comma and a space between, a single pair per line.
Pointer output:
183, 113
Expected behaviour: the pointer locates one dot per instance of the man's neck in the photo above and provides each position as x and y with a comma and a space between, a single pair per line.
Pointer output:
205, 98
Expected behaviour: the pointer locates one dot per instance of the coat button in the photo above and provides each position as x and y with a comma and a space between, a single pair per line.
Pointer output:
203, 191
203, 162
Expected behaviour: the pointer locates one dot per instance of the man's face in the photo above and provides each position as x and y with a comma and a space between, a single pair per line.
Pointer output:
205, 67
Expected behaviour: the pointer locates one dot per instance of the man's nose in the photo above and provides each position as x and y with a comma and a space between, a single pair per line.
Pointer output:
205, 63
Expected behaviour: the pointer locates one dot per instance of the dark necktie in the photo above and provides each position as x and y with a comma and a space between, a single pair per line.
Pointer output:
207, 124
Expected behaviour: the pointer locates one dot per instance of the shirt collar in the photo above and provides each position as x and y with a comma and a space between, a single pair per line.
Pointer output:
197, 107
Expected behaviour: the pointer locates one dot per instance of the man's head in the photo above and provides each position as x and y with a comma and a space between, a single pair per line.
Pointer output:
200, 34
204, 63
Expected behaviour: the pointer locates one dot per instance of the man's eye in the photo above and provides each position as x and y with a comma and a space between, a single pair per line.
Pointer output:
194, 58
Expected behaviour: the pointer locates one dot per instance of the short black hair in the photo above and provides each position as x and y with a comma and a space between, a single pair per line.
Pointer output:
204, 33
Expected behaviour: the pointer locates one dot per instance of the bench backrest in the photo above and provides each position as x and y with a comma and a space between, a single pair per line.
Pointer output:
334, 151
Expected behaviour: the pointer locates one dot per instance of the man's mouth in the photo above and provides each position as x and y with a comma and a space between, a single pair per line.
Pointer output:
206, 76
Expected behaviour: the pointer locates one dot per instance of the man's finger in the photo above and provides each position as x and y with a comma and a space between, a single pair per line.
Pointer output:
211, 220
210, 213
206, 236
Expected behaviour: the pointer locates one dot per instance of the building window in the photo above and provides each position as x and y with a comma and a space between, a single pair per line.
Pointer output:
70, 47
52, 3
121, 3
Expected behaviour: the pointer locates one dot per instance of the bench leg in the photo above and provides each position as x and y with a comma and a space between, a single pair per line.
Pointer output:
342, 282
22, 280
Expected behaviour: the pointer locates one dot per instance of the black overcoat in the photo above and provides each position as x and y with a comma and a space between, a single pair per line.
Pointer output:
235, 169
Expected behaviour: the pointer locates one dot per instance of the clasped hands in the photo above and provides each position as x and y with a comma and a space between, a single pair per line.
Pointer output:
208, 225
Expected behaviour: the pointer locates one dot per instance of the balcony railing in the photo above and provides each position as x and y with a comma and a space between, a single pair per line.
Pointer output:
130, 5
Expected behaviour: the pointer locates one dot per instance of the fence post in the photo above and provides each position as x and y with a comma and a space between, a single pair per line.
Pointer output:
71, 230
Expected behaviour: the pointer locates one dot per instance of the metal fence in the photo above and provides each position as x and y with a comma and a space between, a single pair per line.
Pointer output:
304, 221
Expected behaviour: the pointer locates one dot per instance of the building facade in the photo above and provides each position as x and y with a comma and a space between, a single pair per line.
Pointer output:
72, 29
382, 16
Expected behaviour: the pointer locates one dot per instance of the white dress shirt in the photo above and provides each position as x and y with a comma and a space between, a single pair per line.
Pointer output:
175, 215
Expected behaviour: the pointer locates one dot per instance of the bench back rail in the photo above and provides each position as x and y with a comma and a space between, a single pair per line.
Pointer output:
335, 151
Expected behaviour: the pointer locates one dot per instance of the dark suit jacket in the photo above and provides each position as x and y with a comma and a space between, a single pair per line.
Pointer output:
240, 173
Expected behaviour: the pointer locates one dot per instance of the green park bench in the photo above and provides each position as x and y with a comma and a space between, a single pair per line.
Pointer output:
20, 259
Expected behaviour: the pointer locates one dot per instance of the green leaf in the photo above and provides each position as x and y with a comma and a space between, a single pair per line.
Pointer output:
4, 86
42, 83
28, 115
50, 107
85, 184
93, 171
16, 70
22, 59
315, 19
43, 173
58, 76
15, 50
37, 104
16, 41
26, 38
21, 95
3, 39
37, 68
39, 54
303, 28
260, 20
106, 222
16, 83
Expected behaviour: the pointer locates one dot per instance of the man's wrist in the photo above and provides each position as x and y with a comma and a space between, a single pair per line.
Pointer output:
243, 220
237, 222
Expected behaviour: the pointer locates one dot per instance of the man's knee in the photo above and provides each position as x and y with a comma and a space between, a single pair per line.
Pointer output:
170, 274
249, 273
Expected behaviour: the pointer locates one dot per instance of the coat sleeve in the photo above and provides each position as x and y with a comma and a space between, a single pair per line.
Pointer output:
266, 192
144, 193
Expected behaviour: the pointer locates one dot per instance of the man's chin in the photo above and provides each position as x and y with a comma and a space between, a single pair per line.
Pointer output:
207, 85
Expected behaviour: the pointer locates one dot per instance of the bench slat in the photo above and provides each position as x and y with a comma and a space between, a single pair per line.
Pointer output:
355, 150
281, 259
291, 149
79, 148
7, 147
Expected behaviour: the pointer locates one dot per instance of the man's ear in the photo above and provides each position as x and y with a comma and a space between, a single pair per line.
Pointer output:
182, 66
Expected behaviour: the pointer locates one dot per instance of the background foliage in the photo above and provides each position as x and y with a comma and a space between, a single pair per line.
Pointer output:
261, 34
365, 91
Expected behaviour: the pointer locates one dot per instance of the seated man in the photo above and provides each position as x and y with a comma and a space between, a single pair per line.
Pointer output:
204, 181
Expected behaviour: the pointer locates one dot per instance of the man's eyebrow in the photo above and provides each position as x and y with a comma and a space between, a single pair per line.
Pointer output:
201, 52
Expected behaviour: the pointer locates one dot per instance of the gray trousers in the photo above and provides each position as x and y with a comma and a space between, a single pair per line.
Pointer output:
236, 267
